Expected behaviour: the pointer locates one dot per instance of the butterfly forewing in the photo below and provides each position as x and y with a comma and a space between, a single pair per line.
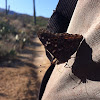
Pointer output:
60, 45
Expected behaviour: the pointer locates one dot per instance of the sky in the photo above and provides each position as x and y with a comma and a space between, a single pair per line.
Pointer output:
43, 7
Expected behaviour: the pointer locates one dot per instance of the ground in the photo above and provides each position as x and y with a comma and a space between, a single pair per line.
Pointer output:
21, 77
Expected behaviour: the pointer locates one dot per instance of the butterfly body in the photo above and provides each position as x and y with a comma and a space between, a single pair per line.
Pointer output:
60, 45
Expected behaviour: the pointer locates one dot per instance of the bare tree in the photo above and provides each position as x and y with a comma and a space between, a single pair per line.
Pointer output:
34, 12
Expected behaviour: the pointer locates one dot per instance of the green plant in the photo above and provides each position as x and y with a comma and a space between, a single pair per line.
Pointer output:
12, 52
6, 28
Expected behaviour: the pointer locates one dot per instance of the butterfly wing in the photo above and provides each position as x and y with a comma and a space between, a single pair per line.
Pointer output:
60, 45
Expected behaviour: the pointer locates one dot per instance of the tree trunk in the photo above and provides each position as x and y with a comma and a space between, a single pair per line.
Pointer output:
6, 6
34, 13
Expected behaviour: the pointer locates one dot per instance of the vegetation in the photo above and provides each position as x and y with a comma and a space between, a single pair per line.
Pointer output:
6, 28
16, 31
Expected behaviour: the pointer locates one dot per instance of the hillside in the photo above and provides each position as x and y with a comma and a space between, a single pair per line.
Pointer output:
42, 21
10, 12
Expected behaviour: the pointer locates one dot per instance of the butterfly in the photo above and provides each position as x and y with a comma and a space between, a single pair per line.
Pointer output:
60, 45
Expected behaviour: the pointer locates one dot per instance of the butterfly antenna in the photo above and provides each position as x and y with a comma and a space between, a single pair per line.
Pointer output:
80, 44
78, 47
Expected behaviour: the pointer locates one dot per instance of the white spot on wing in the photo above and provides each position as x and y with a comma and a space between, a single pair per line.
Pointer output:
42, 37
53, 51
55, 45
48, 43
48, 39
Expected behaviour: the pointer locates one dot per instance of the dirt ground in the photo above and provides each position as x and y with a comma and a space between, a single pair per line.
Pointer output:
20, 78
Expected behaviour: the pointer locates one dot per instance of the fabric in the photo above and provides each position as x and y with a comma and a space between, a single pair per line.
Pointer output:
86, 21
58, 23
60, 19
80, 79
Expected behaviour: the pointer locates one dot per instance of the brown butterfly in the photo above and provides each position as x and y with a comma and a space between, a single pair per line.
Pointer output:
60, 45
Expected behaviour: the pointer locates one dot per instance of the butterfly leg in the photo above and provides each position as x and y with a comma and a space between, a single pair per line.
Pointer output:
77, 84
55, 61
49, 55
67, 65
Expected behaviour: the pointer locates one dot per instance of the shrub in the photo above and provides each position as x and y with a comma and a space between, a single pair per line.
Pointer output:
6, 52
6, 28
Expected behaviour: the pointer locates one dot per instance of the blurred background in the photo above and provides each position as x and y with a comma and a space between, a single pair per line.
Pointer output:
43, 7
22, 56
